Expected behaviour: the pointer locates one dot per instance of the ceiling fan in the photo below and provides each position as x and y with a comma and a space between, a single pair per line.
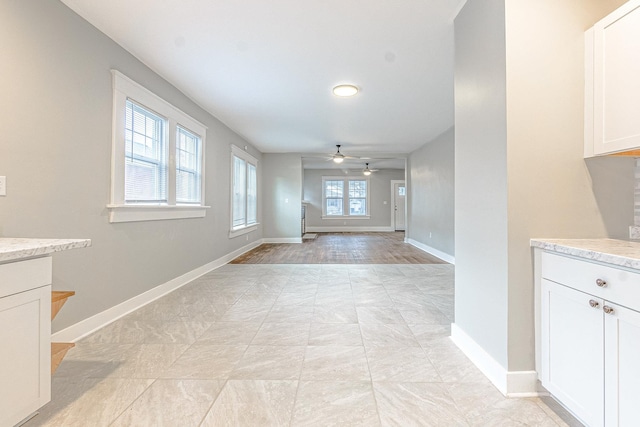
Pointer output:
338, 157
366, 171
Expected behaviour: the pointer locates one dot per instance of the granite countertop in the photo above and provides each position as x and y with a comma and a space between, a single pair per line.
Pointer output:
623, 253
13, 249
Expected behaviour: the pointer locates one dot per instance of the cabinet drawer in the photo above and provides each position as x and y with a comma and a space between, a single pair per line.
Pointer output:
621, 286
21, 276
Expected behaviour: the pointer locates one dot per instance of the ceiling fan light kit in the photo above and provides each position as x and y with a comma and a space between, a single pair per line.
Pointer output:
338, 157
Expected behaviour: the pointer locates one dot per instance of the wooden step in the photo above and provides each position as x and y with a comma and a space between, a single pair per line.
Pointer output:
58, 298
58, 351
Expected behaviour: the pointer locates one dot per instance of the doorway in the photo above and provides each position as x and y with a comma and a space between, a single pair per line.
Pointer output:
398, 212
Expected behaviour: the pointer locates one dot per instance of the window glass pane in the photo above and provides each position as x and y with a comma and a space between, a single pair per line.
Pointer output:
357, 206
252, 194
145, 156
401, 191
334, 206
239, 191
357, 188
334, 188
187, 167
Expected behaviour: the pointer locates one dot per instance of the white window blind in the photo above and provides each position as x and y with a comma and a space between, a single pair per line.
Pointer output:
188, 164
145, 155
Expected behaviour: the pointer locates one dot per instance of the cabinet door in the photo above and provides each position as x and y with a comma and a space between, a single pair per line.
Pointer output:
572, 341
622, 365
616, 86
25, 354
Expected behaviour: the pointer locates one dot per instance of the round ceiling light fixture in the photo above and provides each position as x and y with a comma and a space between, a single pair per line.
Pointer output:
345, 90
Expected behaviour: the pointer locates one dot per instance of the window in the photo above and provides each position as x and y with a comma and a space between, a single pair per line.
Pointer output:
244, 192
157, 159
338, 203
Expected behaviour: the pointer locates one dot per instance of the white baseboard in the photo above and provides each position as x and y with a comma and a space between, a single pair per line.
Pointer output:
348, 229
432, 251
282, 240
509, 383
87, 326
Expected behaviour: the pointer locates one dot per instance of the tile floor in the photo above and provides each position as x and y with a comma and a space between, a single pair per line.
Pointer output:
287, 345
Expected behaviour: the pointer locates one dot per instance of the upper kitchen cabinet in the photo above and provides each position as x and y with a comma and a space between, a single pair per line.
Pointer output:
612, 83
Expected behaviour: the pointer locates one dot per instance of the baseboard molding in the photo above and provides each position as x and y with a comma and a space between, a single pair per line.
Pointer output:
348, 229
91, 324
432, 251
282, 240
509, 383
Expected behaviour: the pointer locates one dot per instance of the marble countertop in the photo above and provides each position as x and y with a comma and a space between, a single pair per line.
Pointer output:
12, 249
623, 253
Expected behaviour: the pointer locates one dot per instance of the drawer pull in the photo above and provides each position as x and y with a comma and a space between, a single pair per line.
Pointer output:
601, 283
607, 309
594, 303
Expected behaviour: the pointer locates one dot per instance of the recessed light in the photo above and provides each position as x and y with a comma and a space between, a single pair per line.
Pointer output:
345, 90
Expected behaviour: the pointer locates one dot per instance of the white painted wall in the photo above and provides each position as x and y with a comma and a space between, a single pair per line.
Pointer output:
430, 213
55, 149
282, 205
380, 192
519, 169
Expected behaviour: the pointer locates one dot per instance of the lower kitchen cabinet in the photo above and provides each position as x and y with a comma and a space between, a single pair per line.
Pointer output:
590, 340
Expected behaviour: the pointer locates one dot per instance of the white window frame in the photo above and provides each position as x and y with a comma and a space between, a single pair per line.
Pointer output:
345, 197
119, 210
239, 230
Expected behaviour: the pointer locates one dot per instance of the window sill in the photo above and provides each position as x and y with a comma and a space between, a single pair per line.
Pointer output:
134, 213
243, 230
343, 217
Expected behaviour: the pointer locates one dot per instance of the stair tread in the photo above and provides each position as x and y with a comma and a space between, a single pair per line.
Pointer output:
57, 347
58, 295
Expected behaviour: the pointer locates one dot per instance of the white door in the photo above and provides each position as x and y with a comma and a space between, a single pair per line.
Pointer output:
572, 338
622, 365
399, 195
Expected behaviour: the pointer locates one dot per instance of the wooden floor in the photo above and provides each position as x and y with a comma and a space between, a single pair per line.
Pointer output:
340, 248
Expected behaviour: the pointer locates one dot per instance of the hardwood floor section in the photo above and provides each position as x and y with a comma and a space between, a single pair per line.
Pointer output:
340, 248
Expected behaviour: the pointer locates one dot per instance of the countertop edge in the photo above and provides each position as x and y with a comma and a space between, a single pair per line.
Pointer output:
15, 249
621, 253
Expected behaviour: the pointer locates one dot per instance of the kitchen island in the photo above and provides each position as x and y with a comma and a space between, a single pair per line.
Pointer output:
25, 324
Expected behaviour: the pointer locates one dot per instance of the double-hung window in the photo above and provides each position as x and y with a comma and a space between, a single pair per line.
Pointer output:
344, 197
244, 192
157, 160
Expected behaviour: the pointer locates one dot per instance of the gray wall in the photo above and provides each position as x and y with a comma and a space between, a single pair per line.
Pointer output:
282, 181
430, 212
380, 191
518, 161
55, 151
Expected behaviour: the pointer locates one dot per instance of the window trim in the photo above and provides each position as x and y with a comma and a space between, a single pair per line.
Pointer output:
345, 197
119, 211
248, 158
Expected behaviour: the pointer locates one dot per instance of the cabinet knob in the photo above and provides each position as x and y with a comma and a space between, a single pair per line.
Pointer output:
607, 309
601, 283
593, 303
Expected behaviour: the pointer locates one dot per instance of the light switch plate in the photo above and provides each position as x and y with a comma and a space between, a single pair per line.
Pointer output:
3, 185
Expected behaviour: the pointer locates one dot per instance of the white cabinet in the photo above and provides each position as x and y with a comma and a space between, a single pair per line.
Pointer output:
590, 339
25, 338
612, 82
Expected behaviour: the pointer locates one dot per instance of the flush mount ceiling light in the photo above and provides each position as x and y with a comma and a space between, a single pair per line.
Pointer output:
345, 90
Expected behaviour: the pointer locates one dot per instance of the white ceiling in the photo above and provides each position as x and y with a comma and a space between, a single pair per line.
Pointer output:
266, 68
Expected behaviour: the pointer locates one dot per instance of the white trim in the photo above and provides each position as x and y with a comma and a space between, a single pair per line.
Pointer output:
131, 213
282, 240
123, 89
348, 229
432, 251
243, 230
346, 217
511, 384
87, 326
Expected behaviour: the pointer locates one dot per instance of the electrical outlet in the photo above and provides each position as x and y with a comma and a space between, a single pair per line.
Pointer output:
247, 236
429, 234
3, 185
